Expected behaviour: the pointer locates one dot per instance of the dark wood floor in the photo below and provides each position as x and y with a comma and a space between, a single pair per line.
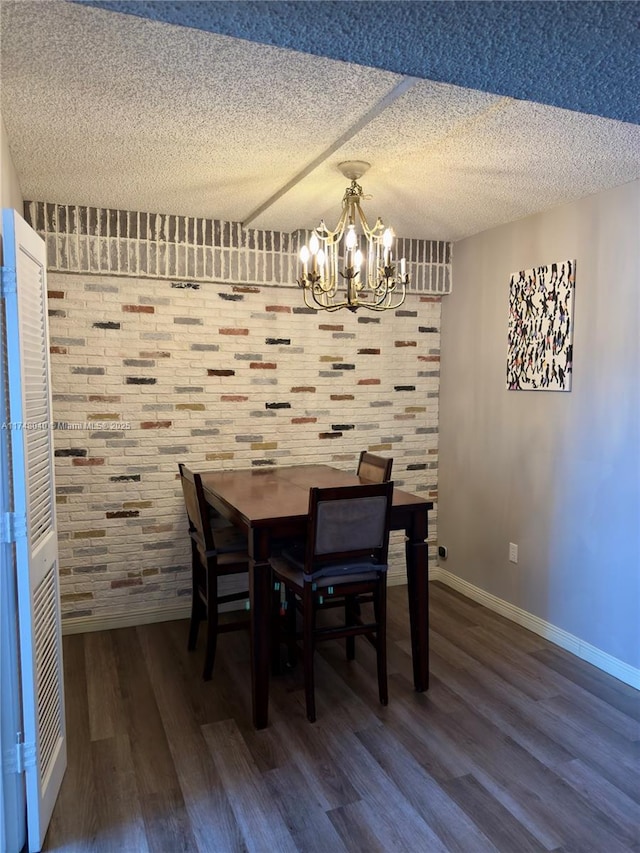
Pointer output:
518, 746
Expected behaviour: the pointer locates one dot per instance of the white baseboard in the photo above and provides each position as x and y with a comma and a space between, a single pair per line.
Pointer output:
606, 662
99, 622
146, 616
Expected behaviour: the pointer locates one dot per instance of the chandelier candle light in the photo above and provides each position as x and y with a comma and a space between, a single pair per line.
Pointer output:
378, 285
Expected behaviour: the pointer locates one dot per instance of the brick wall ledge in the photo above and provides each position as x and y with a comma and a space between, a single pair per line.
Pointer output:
104, 241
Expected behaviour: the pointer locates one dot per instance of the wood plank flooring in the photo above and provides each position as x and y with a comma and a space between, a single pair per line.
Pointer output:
518, 746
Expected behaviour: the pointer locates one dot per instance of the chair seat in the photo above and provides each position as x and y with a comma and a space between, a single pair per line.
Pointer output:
329, 576
296, 557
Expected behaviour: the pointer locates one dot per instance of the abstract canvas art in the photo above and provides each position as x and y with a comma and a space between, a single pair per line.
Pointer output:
540, 354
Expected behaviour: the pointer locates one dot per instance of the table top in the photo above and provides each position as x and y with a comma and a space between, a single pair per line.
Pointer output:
263, 496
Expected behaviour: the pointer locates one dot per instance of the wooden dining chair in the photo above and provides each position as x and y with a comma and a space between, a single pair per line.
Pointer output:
217, 549
375, 469
345, 555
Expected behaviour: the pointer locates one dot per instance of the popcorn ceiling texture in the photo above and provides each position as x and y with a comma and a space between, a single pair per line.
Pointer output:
527, 50
217, 375
111, 110
115, 111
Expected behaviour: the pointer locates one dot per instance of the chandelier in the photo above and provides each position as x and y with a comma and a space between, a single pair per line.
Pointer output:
353, 265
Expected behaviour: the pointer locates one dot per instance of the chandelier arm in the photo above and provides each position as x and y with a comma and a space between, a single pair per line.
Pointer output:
370, 233
386, 298
382, 303
328, 288
331, 237
310, 281
317, 305
320, 293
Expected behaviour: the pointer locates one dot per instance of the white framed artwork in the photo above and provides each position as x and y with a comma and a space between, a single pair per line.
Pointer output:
540, 345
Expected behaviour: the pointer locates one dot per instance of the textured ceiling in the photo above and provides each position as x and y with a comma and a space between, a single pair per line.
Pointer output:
581, 55
114, 110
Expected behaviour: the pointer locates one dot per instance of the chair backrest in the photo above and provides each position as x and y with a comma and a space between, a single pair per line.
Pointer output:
374, 468
196, 507
348, 524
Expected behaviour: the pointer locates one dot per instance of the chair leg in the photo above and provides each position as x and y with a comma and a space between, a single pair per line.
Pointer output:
380, 605
308, 625
194, 624
196, 606
212, 625
349, 619
290, 621
276, 628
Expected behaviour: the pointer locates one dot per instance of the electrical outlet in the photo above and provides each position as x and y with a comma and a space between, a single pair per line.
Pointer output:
443, 552
513, 552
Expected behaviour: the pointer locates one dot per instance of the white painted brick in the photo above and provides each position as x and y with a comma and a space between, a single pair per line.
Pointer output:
298, 365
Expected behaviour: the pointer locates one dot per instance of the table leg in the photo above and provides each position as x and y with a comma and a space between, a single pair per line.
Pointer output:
260, 602
417, 554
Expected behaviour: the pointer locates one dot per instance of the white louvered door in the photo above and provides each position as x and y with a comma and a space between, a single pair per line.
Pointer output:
33, 522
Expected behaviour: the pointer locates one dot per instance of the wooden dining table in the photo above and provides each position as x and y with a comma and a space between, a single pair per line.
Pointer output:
271, 505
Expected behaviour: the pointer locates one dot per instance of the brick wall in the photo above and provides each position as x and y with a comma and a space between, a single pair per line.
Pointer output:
148, 372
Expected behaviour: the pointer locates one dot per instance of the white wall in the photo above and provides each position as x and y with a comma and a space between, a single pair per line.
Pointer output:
557, 473
10, 194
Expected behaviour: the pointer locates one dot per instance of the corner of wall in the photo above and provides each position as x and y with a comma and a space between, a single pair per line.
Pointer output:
10, 192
